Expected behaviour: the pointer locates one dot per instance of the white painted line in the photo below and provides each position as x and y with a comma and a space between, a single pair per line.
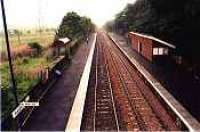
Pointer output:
75, 118
191, 123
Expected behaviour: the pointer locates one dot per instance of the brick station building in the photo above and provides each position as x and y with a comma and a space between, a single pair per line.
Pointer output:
153, 49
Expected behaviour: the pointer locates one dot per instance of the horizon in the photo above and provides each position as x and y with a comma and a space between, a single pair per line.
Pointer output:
48, 14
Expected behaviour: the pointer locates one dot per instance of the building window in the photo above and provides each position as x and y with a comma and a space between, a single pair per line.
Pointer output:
160, 51
165, 52
155, 51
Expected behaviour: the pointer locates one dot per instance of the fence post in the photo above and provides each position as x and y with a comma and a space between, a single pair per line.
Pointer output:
41, 77
47, 74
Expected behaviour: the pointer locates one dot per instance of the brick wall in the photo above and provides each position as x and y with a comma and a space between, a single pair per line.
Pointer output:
146, 46
147, 50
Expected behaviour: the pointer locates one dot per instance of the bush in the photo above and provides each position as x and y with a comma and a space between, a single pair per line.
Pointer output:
36, 46
25, 60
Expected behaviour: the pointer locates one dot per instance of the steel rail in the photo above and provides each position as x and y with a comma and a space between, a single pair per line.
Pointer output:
186, 118
112, 95
138, 116
123, 61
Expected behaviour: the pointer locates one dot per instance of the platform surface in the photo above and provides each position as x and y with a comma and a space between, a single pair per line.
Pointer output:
183, 114
53, 113
74, 122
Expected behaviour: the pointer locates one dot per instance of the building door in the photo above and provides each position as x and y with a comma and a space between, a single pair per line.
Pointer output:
139, 47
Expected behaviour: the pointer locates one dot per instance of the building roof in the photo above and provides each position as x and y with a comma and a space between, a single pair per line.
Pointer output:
61, 42
155, 39
64, 40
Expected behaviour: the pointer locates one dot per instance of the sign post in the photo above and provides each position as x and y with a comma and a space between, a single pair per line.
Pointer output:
21, 106
17, 111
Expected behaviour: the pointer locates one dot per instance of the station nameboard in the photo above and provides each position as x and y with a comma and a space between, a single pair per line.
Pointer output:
22, 106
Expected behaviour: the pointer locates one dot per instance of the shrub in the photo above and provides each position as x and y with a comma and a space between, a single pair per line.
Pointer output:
36, 46
21, 51
25, 60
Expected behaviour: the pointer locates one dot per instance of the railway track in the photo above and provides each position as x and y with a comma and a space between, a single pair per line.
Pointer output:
168, 120
118, 98
101, 102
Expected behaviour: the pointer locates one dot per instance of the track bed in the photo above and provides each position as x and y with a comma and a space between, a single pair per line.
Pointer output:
118, 97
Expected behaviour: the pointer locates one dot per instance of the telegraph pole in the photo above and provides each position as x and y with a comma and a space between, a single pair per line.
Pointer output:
13, 87
39, 19
18, 37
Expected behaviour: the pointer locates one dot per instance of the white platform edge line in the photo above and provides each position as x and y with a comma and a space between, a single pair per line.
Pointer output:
155, 85
75, 118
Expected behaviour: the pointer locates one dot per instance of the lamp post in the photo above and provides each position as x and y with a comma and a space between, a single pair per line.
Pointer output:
13, 86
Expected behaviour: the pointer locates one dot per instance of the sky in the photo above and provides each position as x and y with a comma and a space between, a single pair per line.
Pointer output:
49, 13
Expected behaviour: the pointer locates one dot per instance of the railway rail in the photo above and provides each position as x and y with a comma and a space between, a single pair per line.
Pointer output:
119, 98
166, 120
100, 100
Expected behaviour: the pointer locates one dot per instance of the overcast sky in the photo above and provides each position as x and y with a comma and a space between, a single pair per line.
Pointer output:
27, 13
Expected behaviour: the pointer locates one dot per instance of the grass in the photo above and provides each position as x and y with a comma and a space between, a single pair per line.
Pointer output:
26, 68
26, 76
26, 71
45, 39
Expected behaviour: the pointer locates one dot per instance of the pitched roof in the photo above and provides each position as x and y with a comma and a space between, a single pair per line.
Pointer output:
64, 40
60, 42
155, 39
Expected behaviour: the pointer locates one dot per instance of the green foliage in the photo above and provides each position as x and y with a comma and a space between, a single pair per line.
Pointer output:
28, 32
8, 102
73, 25
26, 76
36, 46
17, 32
176, 21
87, 26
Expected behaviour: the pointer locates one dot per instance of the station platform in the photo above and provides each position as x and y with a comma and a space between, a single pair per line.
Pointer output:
54, 111
170, 82
182, 116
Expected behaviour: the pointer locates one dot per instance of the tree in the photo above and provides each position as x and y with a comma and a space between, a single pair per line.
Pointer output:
70, 25
86, 25
176, 21
18, 33
73, 25
28, 32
